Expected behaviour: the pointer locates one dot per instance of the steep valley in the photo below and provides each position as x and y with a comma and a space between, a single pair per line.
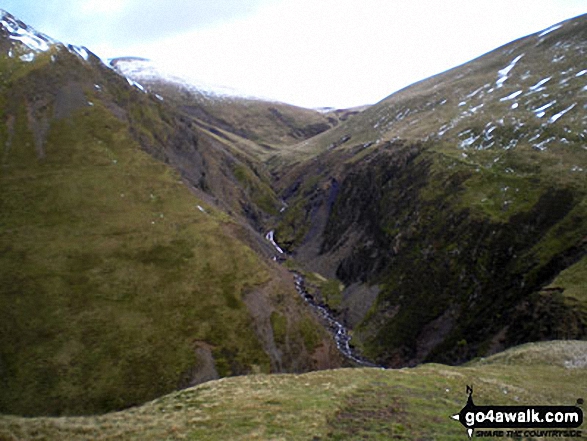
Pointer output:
450, 209
444, 224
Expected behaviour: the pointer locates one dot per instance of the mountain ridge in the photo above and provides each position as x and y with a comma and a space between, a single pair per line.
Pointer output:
445, 223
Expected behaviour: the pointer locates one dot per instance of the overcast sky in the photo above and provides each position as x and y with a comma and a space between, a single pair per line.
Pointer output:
313, 53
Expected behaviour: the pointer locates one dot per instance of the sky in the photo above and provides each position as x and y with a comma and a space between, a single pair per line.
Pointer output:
311, 53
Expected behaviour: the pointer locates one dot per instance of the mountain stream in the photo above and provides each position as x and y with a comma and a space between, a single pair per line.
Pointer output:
327, 316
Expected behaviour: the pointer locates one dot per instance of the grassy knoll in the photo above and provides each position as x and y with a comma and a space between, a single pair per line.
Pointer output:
340, 404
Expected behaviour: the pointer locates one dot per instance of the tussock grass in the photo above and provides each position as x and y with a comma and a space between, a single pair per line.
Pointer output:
339, 404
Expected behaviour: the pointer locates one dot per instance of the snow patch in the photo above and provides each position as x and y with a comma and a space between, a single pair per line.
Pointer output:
18, 31
542, 145
540, 112
135, 84
536, 87
472, 94
549, 30
554, 118
81, 52
27, 57
503, 73
511, 96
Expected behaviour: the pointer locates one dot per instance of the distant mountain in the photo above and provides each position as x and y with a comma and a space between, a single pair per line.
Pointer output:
454, 211
268, 124
128, 264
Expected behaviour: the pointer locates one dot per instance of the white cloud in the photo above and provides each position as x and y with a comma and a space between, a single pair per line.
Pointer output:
343, 52
102, 7
313, 53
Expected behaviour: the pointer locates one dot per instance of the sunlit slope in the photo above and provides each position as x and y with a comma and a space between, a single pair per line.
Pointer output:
454, 212
372, 404
117, 283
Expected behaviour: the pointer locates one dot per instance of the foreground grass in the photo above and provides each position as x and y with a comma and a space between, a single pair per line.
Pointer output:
335, 405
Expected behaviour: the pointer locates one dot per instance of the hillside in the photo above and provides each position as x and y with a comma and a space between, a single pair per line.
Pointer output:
444, 224
254, 125
128, 267
454, 211
374, 404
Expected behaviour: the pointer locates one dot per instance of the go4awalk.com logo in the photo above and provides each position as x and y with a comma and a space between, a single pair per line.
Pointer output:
520, 421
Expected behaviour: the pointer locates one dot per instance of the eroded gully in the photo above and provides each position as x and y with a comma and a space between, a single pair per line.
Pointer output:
327, 316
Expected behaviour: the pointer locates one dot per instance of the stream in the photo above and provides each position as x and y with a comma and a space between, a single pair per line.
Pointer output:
335, 327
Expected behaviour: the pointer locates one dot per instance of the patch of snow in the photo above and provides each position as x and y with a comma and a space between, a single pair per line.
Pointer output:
540, 112
135, 84
445, 128
472, 94
27, 57
558, 58
81, 52
542, 145
536, 86
503, 73
18, 31
554, 118
201, 209
512, 144
550, 29
32, 42
462, 103
145, 71
580, 74
511, 96
469, 141
474, 109
514, 106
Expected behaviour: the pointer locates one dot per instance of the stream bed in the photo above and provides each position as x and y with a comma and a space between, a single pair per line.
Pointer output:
340, 333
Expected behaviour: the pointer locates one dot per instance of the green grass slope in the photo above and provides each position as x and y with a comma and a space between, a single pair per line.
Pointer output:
366, 404
117, 283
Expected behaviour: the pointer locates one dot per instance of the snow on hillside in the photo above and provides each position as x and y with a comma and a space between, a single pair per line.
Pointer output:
142, 72
27, 42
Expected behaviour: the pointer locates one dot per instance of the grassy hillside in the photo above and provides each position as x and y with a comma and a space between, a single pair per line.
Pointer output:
454, 211
373, 404
117, 283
